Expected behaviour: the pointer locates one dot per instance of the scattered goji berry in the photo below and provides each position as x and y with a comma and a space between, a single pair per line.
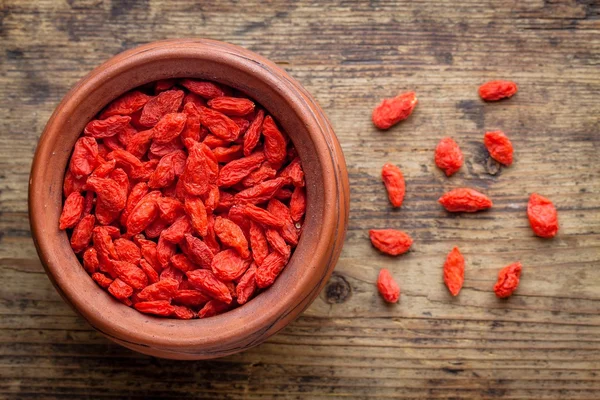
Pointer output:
448, 156
465, 200
454, 271
508, 280
391, 111
542, 215
387, 286
394, 183
499, 146
390, 241
496, 90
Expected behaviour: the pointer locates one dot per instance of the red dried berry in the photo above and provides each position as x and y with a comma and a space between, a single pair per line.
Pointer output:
542, 215
260, 193
127, 104
197, 251
208, 90
275, 144
465, 200
387, 286
84, 158
120, 290
261, 215
391, 111
246, 287
448, 156
232, 106
219, 124
72, 211
499, 146
166, 102
390, 241
102, 280
496, 90
90, 260
169, 127
270, 268
194, 207
227, 265
231, 235
394, 184
208, 283
298, 204
104, 128
508, 280
161, 290
237, 170
252, 134
159, 307
454, 271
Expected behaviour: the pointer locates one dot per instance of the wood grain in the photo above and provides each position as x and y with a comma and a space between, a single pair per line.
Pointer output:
543, 343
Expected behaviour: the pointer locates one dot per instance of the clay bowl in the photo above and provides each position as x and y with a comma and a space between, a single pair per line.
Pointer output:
327, 193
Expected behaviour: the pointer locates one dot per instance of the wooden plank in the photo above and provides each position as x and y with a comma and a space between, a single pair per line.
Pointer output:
543, 343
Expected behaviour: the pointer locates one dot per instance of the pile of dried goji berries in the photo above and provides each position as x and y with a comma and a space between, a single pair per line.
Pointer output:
184, 199
448, 157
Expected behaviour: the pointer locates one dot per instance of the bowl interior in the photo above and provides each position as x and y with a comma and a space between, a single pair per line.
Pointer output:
297, 114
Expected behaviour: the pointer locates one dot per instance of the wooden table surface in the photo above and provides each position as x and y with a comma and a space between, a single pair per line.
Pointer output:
542, 343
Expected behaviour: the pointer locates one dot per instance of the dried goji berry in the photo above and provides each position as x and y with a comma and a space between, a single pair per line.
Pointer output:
387, 286
194, 99
499, 146
126, 134
101, 279
109, 193
228, 154
246, 287
127, 104
169, 127
276, 242
84, 158
227, 265
172, 273
130, 163
448, 156
261, 215
104, 169
190, 298
72, 211
143, 213
154, 230
252, 134
197, 251
237, 170
73, 183
466, 200
394, 184
260, 193
149, 271
231, 235
208, 90
259, 175
180, 312
194, 207
280, 210
211, 237
219, 124
158, 150
294, 172
275, 144
298, 204
169, 209
270, 268
166, 102
508, 280
104, 128
232, 106
212, 308
195, 176
175, 233
90, 260
165, 250
130, 274
127, 251
161, 290
390, 241
542, 215
454, 271
244, 124
496, 90
212, 141
169, 167
208, 283
391, 111
159, 307
120, 289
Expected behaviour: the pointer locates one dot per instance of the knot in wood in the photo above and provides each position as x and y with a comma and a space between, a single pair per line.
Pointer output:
338, 290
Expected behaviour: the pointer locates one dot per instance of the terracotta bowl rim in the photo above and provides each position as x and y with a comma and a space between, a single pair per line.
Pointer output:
175, 335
